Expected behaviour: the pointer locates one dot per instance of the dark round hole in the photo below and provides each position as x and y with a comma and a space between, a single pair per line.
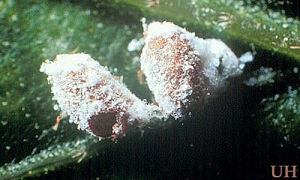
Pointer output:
101, 124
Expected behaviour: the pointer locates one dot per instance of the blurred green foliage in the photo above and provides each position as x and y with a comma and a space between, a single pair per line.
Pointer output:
281, 113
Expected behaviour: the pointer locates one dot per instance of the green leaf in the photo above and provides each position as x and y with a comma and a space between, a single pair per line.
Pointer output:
266, 30
37, 30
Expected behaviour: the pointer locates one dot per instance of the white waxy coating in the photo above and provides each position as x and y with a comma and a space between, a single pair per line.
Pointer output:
83, 88
181, 70
200, 66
